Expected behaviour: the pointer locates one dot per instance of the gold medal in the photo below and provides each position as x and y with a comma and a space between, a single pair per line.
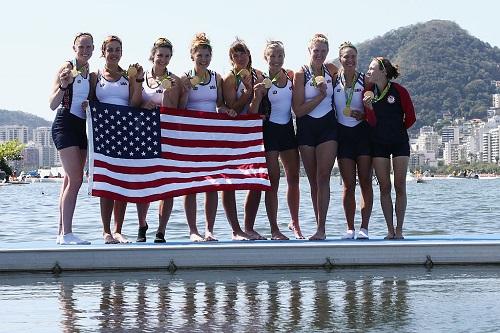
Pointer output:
267, 83
369, 94
132, 71
243, 73
347, 111
319, 80
195, 80
166, 84
75, 72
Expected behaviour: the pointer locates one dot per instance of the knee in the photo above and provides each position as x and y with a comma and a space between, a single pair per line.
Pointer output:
400, 188
349, 188
385, 188
293, 180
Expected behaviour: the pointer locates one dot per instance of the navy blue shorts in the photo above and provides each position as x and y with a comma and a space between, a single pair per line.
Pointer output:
354, 141
388, 149
278, 137
314, 131
69, 130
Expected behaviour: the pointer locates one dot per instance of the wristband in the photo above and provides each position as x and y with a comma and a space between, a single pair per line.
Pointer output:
139, 80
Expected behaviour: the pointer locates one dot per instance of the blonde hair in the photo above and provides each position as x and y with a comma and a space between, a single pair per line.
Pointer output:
200, 40
318, 38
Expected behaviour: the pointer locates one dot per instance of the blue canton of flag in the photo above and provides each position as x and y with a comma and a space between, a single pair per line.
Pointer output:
124, 132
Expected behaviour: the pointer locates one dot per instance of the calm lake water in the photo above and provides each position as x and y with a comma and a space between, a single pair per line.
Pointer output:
395, 299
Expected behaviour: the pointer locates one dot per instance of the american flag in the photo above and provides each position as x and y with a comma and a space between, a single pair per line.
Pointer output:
139, 155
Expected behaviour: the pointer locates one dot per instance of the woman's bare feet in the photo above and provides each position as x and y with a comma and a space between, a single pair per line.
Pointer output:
319, 235
398, 234
108, 239
120, 238
196, 237
254, 235
278, 236
209, 237
389, 236
240, 236
296, 230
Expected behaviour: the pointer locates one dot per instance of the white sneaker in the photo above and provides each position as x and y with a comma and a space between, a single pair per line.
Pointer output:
349, 234
71, 239
363, 234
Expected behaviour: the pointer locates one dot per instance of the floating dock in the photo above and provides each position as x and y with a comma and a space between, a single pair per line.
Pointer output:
421, 250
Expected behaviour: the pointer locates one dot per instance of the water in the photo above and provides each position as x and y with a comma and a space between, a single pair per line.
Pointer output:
438, 207
396, 299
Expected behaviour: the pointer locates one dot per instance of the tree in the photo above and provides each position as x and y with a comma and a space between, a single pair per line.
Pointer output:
10, 151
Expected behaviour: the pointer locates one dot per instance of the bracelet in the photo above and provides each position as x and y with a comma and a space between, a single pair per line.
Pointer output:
139, 80
62, 88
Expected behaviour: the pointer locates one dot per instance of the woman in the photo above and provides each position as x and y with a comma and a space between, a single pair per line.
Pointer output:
354, 152
238, 93
203, 96
71, 87
160, 88
279, 138
390, 111
114, 86
316, 126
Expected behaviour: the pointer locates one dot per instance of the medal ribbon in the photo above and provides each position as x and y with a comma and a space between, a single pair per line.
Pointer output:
384, 92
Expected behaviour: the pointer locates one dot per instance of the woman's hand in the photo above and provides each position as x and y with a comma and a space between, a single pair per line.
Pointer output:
367, 101
228, 111
358, 115
259, 90
149, 105
65, 78
247, 82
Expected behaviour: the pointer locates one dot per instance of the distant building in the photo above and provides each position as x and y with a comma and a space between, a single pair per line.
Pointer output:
491, 146
450, 134
451, 154
14, 132
31, 158
42, 136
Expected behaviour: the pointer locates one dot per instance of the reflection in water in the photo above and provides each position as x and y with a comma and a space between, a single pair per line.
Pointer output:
369, 300
235, 305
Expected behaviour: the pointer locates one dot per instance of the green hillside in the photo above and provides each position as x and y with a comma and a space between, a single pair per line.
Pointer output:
22, 118
443, 67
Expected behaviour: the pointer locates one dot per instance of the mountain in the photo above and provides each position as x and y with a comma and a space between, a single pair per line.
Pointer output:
22, 118
443, 67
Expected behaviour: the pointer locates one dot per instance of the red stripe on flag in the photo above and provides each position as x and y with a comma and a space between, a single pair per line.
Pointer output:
166, 181
210, 128
177, 193
211, 143
209, 158
133, 170
206, 115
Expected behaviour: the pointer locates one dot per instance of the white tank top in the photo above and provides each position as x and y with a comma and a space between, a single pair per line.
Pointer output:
340, 95
203, 97
281, 103
154, 92
116, 92
311, 91
239, 92
81, 88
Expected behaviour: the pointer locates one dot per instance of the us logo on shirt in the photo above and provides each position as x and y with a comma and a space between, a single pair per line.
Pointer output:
391, 99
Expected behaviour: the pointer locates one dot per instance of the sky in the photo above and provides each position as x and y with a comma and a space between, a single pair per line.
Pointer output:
37, 36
